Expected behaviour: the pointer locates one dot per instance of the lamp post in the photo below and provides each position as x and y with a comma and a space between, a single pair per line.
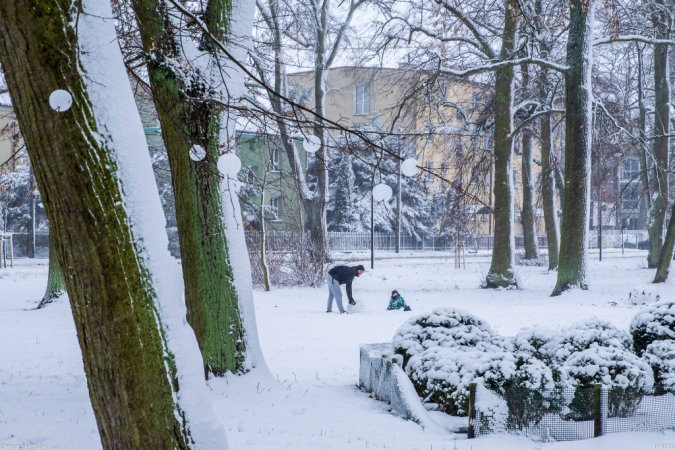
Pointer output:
381, 193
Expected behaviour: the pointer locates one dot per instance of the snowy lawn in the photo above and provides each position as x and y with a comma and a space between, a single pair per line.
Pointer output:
313, 402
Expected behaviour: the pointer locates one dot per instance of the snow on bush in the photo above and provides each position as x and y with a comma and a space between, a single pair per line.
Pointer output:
536, 341
642, 297
445, 327
656, 323
611, 367
492, 410
660, 355
586, 334
442, 374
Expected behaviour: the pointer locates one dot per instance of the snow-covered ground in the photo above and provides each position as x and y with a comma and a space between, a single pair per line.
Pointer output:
311, 401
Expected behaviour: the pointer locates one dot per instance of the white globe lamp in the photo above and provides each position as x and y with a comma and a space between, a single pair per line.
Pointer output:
311, 144
60, 100
382, 192
229, 164
197, 153
409, 167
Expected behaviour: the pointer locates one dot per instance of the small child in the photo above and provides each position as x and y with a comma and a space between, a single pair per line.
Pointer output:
397, 302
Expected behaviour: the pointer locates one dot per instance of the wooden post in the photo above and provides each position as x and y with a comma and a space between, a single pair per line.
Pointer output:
599, 407
471, 432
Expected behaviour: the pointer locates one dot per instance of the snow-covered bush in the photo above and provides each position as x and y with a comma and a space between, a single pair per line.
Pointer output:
621, 371
445, 327
587, 334
642, 297
655, 323
536, 341
442, 374
660, 355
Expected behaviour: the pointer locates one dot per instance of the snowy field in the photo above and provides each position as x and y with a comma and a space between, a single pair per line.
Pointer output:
311, 401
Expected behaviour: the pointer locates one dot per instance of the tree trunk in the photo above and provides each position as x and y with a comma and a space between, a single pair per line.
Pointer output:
501, 269
657, 212
548, 190
641, 144
93, 170
578, 127
529, 227
188, 120
667, 252
263, 237
56, 285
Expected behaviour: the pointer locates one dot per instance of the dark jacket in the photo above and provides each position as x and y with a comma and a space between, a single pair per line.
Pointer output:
345, 275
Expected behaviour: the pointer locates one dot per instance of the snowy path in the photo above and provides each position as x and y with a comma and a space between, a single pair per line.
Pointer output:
314, 356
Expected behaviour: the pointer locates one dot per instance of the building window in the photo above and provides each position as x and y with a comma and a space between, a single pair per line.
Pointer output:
252, 174
630, 197
631, 169
362, 99
276, 160
275, 203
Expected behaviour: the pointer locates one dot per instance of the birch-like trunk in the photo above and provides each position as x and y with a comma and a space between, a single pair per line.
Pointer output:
94, 173
188, 120
578, 134
501, 272
527, 214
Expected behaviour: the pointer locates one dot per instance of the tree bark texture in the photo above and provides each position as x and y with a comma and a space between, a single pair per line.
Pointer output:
578, 134
548, 185
527, 215
187, 120
666, 255
501, 272
657, 212
130, 373
56, 285
645, 194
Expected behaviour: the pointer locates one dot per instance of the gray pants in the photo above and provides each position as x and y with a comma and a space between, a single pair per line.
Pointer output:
334, 291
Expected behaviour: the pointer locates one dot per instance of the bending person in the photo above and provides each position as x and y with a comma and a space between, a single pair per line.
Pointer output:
341, 275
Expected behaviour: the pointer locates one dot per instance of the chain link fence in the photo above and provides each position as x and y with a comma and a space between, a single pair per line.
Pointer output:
570, 414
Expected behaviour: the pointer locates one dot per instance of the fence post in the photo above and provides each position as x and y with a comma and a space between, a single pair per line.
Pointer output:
470, 431
599, 409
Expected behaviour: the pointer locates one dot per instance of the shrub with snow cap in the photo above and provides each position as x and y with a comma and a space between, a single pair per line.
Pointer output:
660, 356
442, 374
536, 341
621, 371
656, 323
445, 327
587, 334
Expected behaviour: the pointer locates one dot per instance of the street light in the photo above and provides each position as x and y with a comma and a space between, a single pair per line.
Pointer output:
381, 193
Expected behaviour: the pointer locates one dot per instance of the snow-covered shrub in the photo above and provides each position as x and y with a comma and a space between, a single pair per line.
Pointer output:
660, 355
445, 327
642, 297
656, 323
536, 341
442, 374
621, 371
586, 334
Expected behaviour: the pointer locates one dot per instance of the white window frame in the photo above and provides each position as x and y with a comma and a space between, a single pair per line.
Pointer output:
276, 202
362, 99
275, 163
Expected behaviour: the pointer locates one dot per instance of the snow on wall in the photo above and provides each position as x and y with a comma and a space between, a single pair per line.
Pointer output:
115, 112
380, 372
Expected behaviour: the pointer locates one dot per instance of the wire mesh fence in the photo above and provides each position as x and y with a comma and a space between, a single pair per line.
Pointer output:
570, 414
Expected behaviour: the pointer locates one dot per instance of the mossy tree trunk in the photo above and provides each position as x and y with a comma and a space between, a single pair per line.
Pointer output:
130, 373
548, 188
666, 255
501, 272
187, 119
56, 285
661, 150
578, 133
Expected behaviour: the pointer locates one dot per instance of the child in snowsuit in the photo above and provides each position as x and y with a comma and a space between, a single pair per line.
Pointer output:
397, 302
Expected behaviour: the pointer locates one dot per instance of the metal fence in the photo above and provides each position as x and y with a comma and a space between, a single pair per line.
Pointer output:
570, 414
